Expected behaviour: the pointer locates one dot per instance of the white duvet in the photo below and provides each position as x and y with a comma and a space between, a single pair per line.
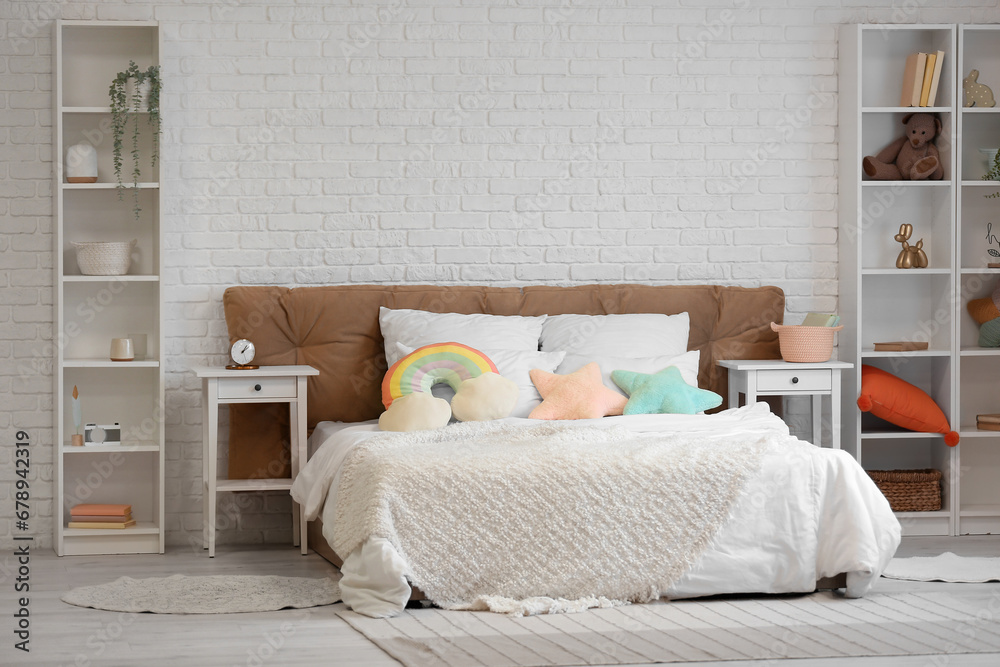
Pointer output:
807, 513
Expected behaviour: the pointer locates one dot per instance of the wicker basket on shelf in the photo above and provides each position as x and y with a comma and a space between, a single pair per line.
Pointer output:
805, 344
909, 490
104, 258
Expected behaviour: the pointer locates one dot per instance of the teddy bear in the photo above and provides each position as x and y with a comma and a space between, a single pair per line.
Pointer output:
912, 157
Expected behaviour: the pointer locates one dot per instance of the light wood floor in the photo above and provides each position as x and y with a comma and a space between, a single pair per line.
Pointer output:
62, 634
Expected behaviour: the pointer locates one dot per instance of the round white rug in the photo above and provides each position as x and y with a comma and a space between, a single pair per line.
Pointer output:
216, 594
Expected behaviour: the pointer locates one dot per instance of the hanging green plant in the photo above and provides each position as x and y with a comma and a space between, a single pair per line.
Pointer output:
128, 97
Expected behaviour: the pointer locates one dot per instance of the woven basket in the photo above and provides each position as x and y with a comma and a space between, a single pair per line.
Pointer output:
909, 490
104, 258
805, 344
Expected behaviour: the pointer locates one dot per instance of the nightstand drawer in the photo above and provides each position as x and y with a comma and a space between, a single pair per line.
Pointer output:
283, 387
816, 379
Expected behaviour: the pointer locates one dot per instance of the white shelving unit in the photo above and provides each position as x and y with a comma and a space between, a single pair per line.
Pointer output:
977, 368
879, 302
91, 310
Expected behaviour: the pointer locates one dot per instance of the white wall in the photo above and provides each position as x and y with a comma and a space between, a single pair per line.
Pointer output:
441, 141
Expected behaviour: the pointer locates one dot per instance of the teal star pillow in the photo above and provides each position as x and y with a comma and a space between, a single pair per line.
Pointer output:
665, 392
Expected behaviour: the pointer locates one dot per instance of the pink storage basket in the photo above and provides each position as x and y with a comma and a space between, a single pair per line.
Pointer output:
805, 344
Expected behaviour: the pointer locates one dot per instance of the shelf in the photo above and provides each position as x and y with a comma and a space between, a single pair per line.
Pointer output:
283, 484
140, 528
107, 363
906, 109
108, 186
979, 183
944, 183
980, 109
95, 110
970, 431
106, 449
898, 435
980, 510
977, 272
101, 279
980, 351
869, 352
905, 272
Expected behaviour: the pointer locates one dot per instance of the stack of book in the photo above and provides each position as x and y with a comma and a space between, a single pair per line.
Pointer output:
96, 515
921, 78
988, 422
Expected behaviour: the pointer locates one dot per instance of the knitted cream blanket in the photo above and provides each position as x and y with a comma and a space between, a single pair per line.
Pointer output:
490, 515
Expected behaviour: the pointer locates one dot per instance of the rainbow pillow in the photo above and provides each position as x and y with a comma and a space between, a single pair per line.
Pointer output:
448, 363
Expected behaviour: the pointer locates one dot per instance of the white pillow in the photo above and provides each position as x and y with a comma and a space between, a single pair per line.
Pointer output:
686, 363
416, 328
631, 335
513, 365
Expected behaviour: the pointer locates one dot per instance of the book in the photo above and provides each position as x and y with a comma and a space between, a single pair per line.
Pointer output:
900, 346
101, 524
990, 418
102, 519
935, 79
913, 78
100, 509
986, 426
821, 320
925, 85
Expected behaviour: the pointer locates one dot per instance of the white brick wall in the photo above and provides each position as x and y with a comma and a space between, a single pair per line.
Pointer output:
437, 141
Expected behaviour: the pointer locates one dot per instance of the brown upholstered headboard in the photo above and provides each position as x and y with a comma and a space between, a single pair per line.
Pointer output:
335, 329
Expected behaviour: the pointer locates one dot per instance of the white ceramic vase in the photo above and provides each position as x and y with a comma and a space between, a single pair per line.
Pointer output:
81, 164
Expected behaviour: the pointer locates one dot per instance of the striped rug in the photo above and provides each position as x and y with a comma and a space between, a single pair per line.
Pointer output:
820, 625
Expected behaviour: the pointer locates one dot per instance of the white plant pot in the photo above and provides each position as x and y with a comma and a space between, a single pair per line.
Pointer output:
81, 164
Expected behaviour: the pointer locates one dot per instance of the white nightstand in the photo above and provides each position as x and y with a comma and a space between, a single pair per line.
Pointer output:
774, 377
267, 384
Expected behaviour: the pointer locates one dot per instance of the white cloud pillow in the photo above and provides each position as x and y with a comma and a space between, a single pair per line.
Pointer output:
416, 328
686, 363
630, 335
513, 365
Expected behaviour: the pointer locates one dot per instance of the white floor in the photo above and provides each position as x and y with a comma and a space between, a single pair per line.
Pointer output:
65, 635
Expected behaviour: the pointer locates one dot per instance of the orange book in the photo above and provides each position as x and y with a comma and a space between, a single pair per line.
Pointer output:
98, 509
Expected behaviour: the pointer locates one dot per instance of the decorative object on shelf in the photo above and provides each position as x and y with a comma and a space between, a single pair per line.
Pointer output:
986, 313
81, 163
898, 402
901, 346
121, 349
77, 438
102, 434
993, 174
910, 157
988, 422
910, 257
104, 258
977, 94
138, 345
803, 344
133, 92
909, 490
242, 353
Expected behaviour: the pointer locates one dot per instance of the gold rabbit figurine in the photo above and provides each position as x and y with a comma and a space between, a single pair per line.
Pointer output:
910, 257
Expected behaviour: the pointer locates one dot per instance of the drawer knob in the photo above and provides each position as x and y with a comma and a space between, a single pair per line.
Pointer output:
256, 387
795, 380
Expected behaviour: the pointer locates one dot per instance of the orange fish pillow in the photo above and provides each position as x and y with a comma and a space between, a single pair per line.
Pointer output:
903, 404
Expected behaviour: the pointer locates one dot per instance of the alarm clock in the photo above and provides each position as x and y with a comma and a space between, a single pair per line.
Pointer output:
242, 353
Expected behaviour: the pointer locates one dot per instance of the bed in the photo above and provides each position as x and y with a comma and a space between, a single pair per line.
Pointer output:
518, 516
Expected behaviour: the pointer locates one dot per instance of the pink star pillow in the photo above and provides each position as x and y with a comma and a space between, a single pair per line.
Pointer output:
579, 395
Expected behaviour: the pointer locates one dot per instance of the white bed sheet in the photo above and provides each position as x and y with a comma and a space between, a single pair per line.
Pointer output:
809, 513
